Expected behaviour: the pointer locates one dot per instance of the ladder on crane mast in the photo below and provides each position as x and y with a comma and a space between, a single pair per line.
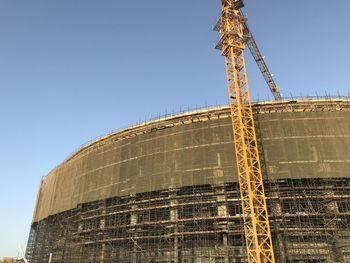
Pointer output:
234, 35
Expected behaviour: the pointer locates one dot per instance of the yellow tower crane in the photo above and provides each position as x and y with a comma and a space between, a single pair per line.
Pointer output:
234, 34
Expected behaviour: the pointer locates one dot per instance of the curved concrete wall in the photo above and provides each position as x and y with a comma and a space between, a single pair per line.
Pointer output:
299, 139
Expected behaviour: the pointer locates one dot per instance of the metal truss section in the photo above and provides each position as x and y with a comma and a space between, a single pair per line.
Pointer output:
255, 215
259, 59
249, 40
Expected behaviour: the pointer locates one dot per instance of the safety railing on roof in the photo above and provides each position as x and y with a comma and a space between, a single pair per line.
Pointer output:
194, 110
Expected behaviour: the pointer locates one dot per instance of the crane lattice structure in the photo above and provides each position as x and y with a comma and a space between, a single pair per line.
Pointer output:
233, 36
259, 59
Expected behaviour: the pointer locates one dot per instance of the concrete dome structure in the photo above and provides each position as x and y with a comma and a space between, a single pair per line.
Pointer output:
166, 190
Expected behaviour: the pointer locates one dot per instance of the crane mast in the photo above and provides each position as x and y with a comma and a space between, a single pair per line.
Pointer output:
256, 222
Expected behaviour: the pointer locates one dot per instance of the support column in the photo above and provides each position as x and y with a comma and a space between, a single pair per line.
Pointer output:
102, 233
335, 242
133, 223
173, 218
277, 213
222, 224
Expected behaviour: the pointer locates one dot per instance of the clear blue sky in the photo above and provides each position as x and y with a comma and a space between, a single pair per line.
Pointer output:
74, 70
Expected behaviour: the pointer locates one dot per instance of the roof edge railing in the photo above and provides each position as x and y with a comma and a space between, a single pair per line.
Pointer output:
195, 110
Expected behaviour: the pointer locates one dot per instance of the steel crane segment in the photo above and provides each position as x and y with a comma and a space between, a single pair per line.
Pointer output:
259, 59
253, 200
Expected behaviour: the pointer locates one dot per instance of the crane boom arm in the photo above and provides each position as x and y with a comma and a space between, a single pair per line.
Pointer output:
259, 59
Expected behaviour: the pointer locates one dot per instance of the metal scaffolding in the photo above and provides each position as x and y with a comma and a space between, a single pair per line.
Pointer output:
196, 216
310, 222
